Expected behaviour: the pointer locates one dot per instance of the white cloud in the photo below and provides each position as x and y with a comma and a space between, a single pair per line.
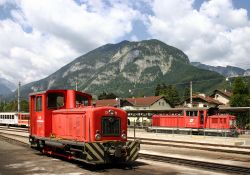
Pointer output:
42, 36
217, 34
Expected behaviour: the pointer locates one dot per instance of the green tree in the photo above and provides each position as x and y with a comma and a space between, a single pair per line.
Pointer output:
171, 94
24, 106
240, 98
157, 90
105, 95
186, 93
12, 106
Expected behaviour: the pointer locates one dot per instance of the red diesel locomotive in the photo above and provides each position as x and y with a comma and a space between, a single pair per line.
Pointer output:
63, 122
197, 120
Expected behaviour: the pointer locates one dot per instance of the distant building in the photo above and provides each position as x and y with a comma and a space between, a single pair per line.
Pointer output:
201, 101
222, 96
152, 102
112, 102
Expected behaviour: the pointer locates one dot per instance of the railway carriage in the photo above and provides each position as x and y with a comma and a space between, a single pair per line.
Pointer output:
9, 118
14, 119
64, 122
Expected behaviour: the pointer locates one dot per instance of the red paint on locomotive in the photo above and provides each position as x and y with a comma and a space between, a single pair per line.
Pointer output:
195, 119
64, 122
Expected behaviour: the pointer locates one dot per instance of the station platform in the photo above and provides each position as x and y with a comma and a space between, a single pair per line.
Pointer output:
240, 141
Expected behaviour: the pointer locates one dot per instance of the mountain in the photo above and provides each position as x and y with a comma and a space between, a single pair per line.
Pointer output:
228, 71
134, 66
6, 87
247, 72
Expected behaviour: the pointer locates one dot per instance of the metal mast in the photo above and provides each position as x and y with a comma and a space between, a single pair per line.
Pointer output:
18, 97
191, 93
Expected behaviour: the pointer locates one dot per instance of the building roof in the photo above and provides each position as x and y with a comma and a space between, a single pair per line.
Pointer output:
106, 102
206, 99
139, 102
144, 101
112, 102
225, 93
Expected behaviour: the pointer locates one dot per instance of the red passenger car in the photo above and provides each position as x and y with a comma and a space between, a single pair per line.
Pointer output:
63, 122
196, 120
23, 119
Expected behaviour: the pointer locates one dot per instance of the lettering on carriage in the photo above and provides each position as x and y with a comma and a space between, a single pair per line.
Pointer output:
191, 120
39, 119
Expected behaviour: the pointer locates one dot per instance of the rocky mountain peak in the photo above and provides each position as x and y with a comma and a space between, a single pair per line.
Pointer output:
119, 67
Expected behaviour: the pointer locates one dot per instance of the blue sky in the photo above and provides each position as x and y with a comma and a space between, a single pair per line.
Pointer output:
39, 37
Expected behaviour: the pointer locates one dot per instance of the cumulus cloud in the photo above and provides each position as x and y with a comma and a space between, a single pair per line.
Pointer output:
41, 36
38, 37
216, 34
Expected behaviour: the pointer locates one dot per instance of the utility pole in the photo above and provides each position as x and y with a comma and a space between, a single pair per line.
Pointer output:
18, 97
118, 102
76, 83
191, 93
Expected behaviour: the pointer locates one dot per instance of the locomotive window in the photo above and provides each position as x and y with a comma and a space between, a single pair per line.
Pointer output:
111, 126
192, 113
39, 103
81, 100
55, 100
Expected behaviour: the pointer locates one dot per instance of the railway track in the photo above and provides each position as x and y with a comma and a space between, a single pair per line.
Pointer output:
14, 129
245, 150
198, 164
166, 159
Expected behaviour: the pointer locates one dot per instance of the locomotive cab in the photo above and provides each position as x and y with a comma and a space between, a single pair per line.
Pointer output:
42, 104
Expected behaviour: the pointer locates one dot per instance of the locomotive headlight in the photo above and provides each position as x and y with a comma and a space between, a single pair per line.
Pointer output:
124, 136
98, 135
111, 112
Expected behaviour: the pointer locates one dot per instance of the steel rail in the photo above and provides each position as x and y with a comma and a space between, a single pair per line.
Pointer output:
172, 160
197, 164
191, 143
195, 145
13, 140
14, 129
170, 143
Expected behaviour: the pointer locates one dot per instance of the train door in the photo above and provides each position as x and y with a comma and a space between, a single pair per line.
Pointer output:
37, 115
201, 117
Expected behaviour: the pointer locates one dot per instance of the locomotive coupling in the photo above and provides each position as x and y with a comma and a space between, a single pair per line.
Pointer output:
120, 151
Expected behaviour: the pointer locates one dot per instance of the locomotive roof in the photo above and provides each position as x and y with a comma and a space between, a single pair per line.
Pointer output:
55, 90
